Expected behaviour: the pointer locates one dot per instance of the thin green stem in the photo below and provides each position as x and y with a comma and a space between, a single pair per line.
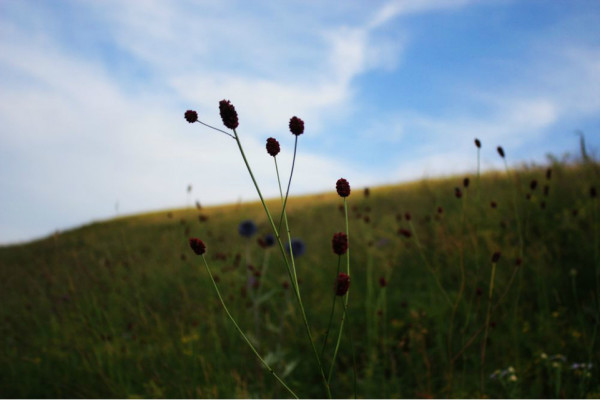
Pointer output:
422, 254
332, 311
291, 269
265, 364
352, 350
339, 338
216, 129
460, 293
287, 192
487, 323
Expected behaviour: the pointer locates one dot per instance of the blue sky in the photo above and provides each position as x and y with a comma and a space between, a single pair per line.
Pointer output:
92, 96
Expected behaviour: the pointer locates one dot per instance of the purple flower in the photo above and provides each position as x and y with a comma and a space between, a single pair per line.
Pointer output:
339, 243
197, 246
343, 187
342, 284
296, 126
228, 114
191, 116
273, 146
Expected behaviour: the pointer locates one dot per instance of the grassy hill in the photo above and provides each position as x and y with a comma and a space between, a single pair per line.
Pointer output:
124, 308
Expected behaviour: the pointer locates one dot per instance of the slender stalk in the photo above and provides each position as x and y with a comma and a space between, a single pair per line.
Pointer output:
290, 271
460, 293
332, 310
487, 323
420, 248
339, 338
520, 233
287, 192
265, 364
217, 129
287, 228
352, 350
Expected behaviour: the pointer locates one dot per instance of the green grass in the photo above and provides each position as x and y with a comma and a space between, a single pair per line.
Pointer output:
125, 309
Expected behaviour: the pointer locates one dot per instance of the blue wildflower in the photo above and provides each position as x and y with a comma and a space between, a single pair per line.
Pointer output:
267, 241
247, 228
298, 247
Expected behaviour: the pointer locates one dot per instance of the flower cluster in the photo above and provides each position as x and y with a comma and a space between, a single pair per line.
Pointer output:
228, 114
296, 126
339, 243
273, 146
342, 284
197, 246
343, 187
508, 373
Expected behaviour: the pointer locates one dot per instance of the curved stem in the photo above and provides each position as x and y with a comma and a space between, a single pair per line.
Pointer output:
339, 338
437, 281
287, 192
487, 322
282, 250
216, 129
266, 365
332, 310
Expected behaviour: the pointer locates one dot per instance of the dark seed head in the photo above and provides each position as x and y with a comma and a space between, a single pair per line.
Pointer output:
343, 187
440, 210
493, 204
191, 116
339, 243
533, 184
367, 192
404, 232
197, 246
267, 241
593, 192
457, 192
273, 146
477, 143
382, 282
342, 284
549, 173
518, 261
296, 126
407, 216
500, 151
228, 114
495, 257
466, 182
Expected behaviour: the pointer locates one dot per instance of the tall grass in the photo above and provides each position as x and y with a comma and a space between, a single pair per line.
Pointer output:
121, 308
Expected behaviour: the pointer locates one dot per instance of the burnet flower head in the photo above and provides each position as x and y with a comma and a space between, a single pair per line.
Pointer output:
273, 146
339, 243
197, 246
296, 126
342, 187
342, 284
228, 114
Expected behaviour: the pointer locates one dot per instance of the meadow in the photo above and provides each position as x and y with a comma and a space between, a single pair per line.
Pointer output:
480, 287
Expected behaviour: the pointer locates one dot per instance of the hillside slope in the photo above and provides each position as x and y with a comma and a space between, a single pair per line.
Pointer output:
124, 308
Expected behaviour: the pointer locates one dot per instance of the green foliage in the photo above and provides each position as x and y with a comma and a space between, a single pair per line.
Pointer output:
125, 309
